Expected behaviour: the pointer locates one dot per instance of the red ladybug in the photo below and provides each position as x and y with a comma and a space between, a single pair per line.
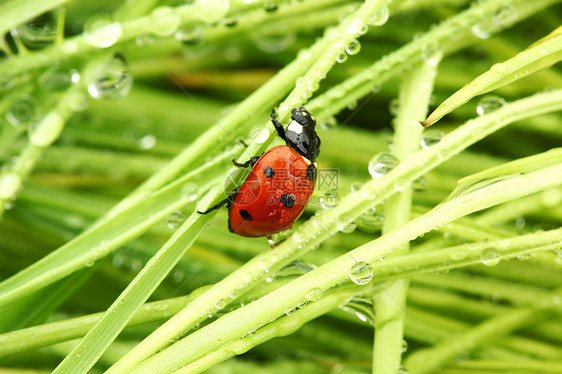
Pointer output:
280, 183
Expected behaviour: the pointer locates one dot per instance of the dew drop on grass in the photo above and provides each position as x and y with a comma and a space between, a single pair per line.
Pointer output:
165, 21
111, 80
489, 103
431, 137
101, 31
361, 273
58, 78
260, 134
189, 36
147, 142
21, 110
490, 257
420, 184
483, 29
505, 16
77, 101
431, 54
9, 185
341, 58
190, 191
44, 131
404, 346
329, 200
38, 32
273, 39
394, 107
290, 311
314, 294
270, 6
401, 184
382, 164
380, 16
174, 220
524, 256
328, 123
221, 304
353, 48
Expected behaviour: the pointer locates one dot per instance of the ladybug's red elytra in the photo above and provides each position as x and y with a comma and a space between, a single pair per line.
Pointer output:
280, 183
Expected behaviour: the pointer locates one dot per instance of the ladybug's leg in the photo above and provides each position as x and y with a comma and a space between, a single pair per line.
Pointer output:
250, 162
277, 124
228, 201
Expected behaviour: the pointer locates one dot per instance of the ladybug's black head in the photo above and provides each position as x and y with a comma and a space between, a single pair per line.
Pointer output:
302, 116
301, 134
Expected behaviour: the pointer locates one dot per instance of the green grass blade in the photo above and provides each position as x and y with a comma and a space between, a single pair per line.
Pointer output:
537, 57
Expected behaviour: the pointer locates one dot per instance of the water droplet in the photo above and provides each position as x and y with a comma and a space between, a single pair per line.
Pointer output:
394, 107
403, 370
212, 10
314, 294
270, 6
459, 255
77, 101
431, 137
420, 184
190, 191
382, 164
520, 222
341, 58
147, 141
39, 32
328, 123
102, 32
234, 293
252, 332
220, 304
21, 110
353, 48
380, 16
189, 36
524, 256
505, 16
144, 40
354, 27
174, 220
404, 346
260, 134
9, 185
273, 39
89, 264
489, 103
111, 80
178, 276
58, 78
329, 199
165, 21
490, 257
45, 130
290, 311
361, 273
483, 30
401, 184
431, 54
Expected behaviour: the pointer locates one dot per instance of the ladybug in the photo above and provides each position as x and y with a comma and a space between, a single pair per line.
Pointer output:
280, 183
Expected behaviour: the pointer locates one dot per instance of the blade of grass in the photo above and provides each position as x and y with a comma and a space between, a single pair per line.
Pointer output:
415, 92
538, 57
15, 12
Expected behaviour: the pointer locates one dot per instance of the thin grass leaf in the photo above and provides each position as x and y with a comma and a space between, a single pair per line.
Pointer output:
539, 56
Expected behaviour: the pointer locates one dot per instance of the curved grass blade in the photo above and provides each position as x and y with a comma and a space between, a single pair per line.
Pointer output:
538, 56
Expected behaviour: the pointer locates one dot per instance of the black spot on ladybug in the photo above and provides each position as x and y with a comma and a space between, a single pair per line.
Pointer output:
244, 214
269, 172
288, 200
311, 172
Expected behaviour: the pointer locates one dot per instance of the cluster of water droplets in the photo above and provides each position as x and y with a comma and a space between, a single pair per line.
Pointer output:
504, 17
